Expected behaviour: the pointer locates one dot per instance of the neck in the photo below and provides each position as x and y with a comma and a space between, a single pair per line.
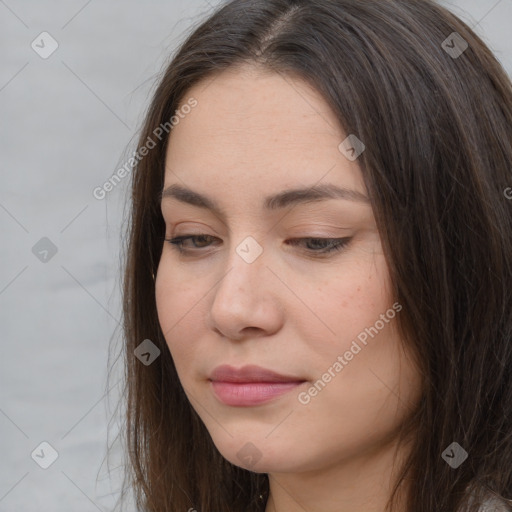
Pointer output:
360, 484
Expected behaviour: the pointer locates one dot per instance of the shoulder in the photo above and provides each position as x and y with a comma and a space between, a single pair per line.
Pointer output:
494, 504
491, 502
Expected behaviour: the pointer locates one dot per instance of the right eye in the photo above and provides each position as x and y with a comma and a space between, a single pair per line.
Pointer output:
178, 241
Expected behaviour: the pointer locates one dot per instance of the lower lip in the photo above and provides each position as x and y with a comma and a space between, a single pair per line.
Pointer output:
246, 394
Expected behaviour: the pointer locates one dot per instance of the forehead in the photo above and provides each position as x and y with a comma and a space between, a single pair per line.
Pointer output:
261, 130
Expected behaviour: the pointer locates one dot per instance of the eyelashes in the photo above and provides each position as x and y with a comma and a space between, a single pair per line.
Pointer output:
321, 246
326, 246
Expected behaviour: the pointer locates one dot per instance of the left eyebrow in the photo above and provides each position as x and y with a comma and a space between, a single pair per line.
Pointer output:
274, 202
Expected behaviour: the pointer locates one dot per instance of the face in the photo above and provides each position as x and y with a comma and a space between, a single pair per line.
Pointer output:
298, 287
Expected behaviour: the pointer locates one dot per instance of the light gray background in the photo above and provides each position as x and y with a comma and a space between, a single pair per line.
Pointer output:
66, 123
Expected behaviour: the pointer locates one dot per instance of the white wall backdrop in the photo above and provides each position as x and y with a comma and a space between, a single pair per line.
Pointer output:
71, 100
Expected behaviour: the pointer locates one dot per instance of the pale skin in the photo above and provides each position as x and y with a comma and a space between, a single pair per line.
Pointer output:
292, 310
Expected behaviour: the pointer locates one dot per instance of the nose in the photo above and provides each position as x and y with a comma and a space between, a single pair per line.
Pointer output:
245, 302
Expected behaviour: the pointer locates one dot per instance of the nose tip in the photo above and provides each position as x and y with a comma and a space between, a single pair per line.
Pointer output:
242, 305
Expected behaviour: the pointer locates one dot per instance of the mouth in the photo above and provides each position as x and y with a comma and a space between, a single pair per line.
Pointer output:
250, 385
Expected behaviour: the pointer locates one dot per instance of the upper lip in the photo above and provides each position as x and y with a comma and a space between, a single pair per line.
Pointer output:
249, 373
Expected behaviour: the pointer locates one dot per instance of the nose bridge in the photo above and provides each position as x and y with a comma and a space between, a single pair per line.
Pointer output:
249, 250
246, 265
245, 297
242, 299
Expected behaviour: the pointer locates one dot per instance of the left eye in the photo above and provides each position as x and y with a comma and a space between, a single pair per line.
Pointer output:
320, 245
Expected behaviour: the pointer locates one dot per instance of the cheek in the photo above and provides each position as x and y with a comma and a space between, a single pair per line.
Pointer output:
180, 308
350, 304
361, 379
357, 354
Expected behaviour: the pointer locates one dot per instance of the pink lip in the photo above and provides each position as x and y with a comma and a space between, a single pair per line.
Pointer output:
250, 385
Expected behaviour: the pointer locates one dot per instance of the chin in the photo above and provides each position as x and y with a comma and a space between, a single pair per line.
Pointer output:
260, 456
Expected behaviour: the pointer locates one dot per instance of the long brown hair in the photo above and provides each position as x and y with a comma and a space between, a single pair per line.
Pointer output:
434, 110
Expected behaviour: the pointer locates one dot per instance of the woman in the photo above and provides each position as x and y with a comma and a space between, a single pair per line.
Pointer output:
318, 286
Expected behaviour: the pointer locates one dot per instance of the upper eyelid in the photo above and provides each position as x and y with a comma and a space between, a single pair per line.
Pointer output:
358, 212
355, 213
327, 224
